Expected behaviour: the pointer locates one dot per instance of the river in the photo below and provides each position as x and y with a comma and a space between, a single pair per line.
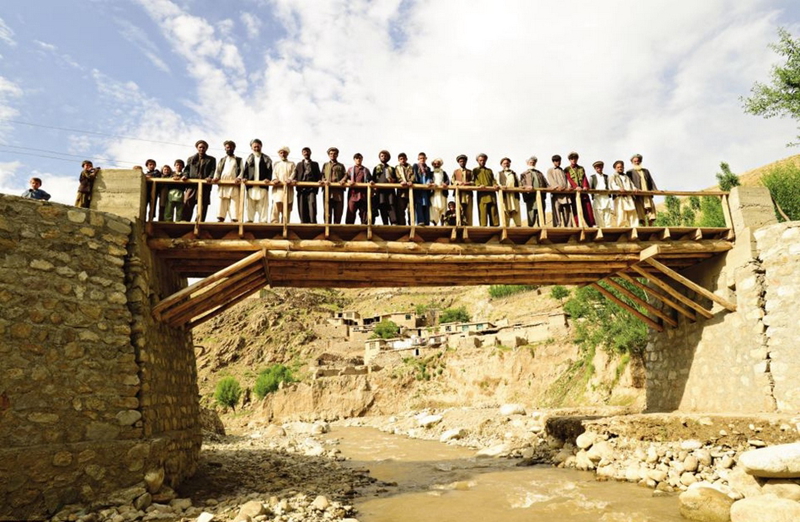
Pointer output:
445, 483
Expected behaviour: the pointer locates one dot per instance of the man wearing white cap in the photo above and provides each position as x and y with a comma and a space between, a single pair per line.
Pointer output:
283, 172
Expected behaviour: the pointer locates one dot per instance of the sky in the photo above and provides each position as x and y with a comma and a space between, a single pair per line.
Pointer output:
120, 81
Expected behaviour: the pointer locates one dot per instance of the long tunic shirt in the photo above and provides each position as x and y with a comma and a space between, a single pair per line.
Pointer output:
283, 171
508, 178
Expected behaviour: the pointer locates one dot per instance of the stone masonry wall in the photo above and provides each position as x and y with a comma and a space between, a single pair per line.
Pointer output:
744, 361
92, 394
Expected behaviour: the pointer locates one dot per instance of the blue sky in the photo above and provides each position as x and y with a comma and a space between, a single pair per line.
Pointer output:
119, 81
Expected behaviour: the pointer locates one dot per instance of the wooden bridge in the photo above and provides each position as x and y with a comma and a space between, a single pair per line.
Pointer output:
238, 259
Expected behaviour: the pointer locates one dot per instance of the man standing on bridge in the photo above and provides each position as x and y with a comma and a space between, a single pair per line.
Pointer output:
229, 169
308, 171
560, 203
284, 172
577, 178
462, 176
257, 167
334, 175
487, 201
533, 179
642, 180
201, 166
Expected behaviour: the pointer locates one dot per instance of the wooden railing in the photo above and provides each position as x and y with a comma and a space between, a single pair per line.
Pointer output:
154, 183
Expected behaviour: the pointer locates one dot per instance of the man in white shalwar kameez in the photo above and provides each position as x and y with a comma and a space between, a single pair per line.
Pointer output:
229, 168
603, 203
283, 172
624, 206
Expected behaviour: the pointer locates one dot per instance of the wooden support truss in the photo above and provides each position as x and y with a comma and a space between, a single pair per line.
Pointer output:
662, 287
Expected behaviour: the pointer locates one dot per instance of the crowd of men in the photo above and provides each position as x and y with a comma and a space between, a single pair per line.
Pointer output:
347, 193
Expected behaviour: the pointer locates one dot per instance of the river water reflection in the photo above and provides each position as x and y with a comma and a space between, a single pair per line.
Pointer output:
444, 483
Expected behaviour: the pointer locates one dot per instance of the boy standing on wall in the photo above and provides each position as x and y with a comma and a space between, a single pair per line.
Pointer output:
85, 184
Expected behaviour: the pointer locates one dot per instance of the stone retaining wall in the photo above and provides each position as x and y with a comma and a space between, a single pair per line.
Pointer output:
746, 360
93, 394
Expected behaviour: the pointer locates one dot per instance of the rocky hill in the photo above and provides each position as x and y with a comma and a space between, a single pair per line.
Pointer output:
287, 327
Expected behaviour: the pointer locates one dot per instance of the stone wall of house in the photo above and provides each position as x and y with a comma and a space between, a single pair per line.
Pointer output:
93, 393
745, 360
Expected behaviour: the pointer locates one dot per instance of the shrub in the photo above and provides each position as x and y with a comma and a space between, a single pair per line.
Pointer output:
783, 182
559, 292
607, 324
228, 392
455, 315
385, 330
499, 291
269, 380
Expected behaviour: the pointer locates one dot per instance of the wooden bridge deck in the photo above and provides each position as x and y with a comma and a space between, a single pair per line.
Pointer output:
436, 256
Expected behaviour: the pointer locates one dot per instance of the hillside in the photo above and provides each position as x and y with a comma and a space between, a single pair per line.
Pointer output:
290, 327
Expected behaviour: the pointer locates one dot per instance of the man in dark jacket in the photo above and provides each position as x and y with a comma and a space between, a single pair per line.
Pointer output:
200, 166
307, 171
384, 202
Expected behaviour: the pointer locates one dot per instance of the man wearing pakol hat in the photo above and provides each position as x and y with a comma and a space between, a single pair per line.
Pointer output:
487, 201
334, 175
577, 178
283, 172
229, 168
358, 174
257, 167
642, 180
385, 200
603, 203
624, 206
200, 166
533, 179
308, 171
462, 176
405, 176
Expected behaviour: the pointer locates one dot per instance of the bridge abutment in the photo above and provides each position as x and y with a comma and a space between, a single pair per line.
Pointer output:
740, 361
93, 393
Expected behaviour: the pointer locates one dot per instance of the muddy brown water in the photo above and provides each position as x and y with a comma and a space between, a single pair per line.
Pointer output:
445, 483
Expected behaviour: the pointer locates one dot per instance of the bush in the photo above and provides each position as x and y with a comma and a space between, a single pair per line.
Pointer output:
385, 330
455, 315
499, 291
783, 183
559, 292
607, 324
270, 379
228, 392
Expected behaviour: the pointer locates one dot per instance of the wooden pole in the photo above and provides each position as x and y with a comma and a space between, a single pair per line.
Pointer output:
285, 197
645, 319
200, 203
411, 212
690, 284
661, 297
369, 212
652, 310
671, 291
540, 208
240, 209
327, 205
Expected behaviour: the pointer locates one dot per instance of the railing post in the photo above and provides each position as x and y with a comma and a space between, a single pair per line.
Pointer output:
457, 192
326, 205
726, 211
369, 212
501, 208
540, 207
411, 212
240, 210
200, 196
285, 216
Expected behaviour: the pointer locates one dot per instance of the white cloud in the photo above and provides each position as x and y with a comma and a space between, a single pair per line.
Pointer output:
514, 78
140, 40
45, 46
6, 34
252, 24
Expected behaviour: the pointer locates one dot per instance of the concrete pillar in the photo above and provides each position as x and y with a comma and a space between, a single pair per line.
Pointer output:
120, 192
751, 207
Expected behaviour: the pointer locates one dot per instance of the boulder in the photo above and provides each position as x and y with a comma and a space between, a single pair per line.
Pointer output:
274, 431
766, 508
499, 450
585, 440
154, 479
601, 451
512, 409
429, 420
744, 484
453, 434
782, 461
782, 488
321, 503
705, 505
205, 516
251, 509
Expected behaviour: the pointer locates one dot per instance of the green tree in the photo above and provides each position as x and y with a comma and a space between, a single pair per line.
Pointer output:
228, 392
606, 324
710, 206
783, 182
559, 292
270, 379
385, 330
782, 97
455, 315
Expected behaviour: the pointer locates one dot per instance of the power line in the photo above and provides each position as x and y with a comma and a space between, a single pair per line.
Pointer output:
83, 131
68, 154
54, 157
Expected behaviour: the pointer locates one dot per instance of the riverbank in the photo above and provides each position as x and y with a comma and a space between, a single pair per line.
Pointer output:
263, 472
